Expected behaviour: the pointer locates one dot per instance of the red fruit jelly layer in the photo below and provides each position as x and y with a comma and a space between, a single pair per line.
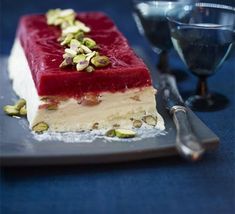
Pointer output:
44, 55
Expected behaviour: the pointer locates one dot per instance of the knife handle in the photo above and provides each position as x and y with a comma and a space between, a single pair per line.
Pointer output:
186, 142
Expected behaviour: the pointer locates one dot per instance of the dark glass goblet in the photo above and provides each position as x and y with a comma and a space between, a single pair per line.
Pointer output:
150, 17
203, 35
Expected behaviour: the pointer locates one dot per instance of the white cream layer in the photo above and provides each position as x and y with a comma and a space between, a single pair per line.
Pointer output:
114, 108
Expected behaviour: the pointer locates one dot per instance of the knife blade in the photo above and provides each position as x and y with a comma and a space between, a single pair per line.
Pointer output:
187, 143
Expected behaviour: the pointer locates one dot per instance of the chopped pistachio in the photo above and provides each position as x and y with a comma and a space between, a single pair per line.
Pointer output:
52, 15
82, 65
39, 128
116, 125
23, 111
72, 36
100, 61
86, 49
52, 106
80, 51
90, 55
82, 26
65, 56
66, 23
20, 103
70, 52
95, 126
67, 61
67, 12
67, 39
110, 133
74, 44
135, 97
79, 58
90, 43
11, 110
79, 35
125, 133
150, 120
90, 69
58, 21
137, 123
70, 29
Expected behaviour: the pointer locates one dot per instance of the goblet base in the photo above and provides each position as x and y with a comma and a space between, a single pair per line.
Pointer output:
209, 102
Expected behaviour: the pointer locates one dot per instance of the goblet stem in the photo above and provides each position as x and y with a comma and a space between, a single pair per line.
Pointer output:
163, 64
202, 89
205, 101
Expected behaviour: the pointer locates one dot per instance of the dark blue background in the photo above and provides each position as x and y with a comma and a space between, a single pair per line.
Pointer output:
167, 185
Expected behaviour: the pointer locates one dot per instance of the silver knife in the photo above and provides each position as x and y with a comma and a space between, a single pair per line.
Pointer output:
187, 143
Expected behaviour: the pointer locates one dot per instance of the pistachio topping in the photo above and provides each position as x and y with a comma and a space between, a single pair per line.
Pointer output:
75, 41
95, 126
19, 109
52, 106
90, 43
70, 52
116, 125
40, 127
120, 133
11, 110
150, 120
23, 111
86, 49
125, 133
90, 69
110, 133
79, 58
74, 44
100, 61
89, 56
67, 39
137, 123
20, 103
82, 65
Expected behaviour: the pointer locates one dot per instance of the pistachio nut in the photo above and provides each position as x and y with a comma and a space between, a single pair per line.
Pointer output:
20, 103
70, 29
137, 123
23, 111
90, 43
74, 44
52, 15
86, 49
90, 69
150, 120
90, 55
52, 106
116, 125
70, 52
125, 133
110, 133
79, 58
95, 126
40, 127
82, 65
81, 26
66, 12
79, 35
67, 39
80, 51
11, 110
67, 61
100, 61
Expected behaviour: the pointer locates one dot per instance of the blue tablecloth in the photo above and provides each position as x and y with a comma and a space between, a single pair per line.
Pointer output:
166, 185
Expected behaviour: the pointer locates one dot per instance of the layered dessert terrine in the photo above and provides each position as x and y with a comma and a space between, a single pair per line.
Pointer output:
70, 98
